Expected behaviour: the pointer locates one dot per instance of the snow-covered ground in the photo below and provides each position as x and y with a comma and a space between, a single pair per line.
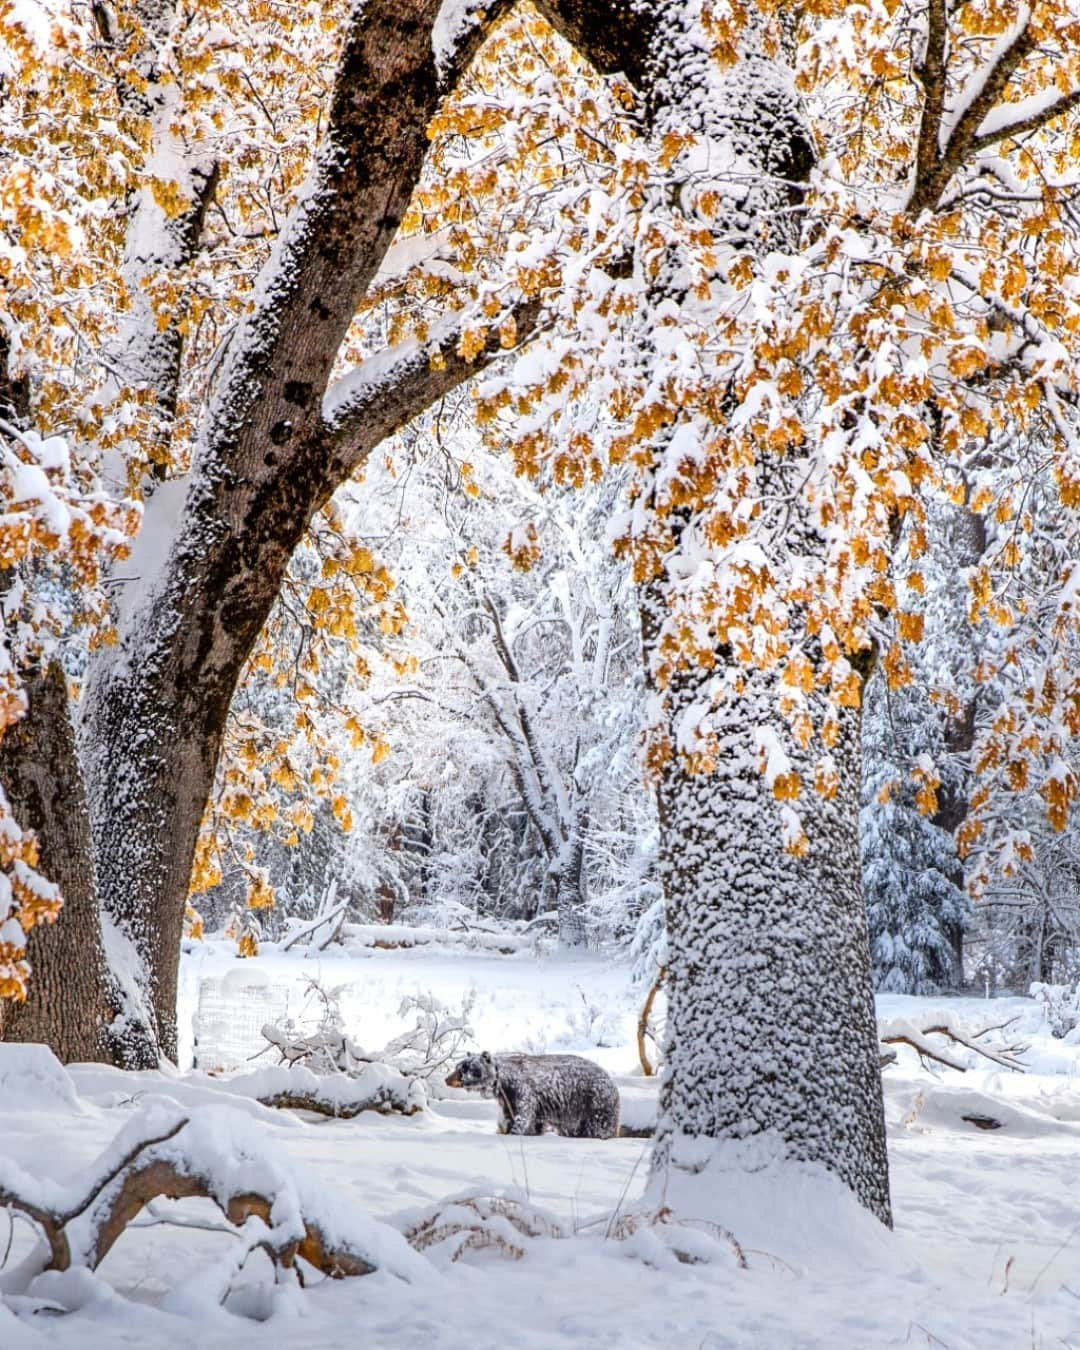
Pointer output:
986, 1251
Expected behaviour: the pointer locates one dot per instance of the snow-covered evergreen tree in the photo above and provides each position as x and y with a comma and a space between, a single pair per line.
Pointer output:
912, 877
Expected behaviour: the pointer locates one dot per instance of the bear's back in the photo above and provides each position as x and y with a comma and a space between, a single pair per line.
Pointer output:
567, 1092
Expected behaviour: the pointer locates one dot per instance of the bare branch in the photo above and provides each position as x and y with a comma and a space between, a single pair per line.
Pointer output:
647, 1068
902, 1032
928, 187
1024, 124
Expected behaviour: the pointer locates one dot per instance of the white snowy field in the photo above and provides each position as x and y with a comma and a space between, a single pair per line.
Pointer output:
986, 1251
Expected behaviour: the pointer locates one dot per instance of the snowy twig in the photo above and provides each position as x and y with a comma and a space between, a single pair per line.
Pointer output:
335, 917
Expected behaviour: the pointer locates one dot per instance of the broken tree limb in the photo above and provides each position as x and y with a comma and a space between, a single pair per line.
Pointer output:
901, 1031
215, 1154
377, 1087
643, 1022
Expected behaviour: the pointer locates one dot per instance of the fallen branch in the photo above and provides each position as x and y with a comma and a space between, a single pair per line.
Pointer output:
900, 1031
301, 1101
377, 1087
216, 1155
425, 1051
335, 917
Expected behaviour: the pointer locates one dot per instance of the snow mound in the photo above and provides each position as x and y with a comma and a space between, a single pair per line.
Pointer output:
378, 1087
925, 1107
108, 1088
398, 937
637, 1105
777, 1209
33, 1079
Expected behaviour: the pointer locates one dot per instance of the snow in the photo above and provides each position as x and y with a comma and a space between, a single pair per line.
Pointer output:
140, 574
983, 1255
452, 22
31, 1076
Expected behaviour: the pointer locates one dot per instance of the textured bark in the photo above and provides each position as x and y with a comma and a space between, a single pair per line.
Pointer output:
613, 35
68, 1006
569, 878
570, 905
968, 544
771, 1023
770, 1012
156, 705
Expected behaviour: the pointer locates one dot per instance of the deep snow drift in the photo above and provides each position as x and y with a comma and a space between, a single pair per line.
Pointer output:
985, 1254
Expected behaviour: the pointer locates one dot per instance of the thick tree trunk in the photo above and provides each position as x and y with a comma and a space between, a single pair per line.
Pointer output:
771, 1021
71, 1002
268, 458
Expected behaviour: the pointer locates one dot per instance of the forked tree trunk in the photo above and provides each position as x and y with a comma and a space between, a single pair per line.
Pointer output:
154, 712
156, 705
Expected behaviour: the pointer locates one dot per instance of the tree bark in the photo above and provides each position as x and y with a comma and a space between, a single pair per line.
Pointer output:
69, 1005
570, 885
771, 1022
771, 1026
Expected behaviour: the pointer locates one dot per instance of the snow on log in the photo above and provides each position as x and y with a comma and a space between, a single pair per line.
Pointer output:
377, 1087
216, 1154
392, 937
945, 1106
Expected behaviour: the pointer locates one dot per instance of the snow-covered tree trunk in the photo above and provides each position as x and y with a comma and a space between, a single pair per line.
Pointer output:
569, 879
211, 554
770, 1011
771, 1019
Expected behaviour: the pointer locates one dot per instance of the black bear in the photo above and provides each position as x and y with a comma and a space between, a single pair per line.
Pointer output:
536, 1092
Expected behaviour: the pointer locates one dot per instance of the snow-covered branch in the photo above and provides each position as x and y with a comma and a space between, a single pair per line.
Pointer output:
215, 1154
903, 1031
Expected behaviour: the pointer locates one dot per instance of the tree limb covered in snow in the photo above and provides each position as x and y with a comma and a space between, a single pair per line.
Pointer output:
213, 1155
901, 1031
377, 1087
387, 391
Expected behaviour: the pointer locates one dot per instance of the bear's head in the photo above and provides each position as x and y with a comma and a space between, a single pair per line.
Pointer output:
475, 1071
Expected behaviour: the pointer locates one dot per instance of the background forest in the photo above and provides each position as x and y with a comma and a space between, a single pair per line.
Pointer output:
499, 773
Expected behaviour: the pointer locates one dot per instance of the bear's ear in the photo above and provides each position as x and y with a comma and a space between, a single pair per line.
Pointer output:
486, 1056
